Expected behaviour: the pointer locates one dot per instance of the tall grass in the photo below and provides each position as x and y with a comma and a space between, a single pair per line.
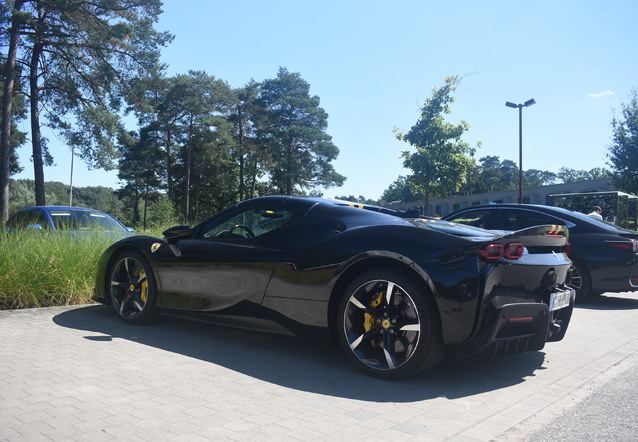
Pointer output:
41, 270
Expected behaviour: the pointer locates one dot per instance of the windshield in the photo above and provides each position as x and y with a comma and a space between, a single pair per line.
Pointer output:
453, 228
79, 220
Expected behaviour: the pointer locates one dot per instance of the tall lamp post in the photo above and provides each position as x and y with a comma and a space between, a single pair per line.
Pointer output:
520, 143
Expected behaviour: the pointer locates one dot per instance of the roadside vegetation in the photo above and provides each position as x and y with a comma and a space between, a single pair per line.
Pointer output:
40, 270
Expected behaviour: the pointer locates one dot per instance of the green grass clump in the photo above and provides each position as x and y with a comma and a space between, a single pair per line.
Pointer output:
43, 270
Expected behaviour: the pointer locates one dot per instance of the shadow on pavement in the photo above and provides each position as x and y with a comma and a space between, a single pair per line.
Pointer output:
301, 365
610, 301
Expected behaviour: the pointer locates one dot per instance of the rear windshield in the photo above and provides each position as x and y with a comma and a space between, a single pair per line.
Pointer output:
599, 223
453, 228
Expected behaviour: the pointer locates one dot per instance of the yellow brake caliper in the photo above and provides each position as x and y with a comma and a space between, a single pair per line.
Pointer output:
368, 319
144, 292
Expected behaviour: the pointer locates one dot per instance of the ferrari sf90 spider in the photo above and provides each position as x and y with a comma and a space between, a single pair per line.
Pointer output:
397, 292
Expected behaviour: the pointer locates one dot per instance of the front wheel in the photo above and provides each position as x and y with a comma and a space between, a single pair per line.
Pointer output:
132, 288
389, 326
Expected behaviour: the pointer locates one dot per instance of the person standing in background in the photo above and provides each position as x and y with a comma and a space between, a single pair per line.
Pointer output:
597, 213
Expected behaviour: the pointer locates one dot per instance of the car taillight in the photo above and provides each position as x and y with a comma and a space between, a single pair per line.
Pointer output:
630, 245
492, 252
513, 250
567, 248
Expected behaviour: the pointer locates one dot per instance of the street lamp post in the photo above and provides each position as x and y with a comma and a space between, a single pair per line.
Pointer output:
520, 143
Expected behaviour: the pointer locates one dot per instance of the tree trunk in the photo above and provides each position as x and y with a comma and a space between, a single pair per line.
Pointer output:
242, 189
426, 202
289, 170
7, 102
189, 152
169, 165
146, 192
136, 206
36, 138
196, 198
253, 178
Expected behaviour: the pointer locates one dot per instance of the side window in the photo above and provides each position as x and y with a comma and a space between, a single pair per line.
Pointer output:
29, 218
509, 220
476, 218
37, 217
246, 223
17, 221
520, 219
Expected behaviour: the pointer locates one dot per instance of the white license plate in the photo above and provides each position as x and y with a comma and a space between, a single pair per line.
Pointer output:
559, 300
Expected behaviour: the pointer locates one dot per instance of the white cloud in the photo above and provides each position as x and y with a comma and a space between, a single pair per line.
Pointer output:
601, 94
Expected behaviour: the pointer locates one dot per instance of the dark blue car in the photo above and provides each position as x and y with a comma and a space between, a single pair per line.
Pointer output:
75, 220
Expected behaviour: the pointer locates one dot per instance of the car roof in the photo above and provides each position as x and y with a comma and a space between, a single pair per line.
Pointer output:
566, 214
305, 203
52, 207
540, 207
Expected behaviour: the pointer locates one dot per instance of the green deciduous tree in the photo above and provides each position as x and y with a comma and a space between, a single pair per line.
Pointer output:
357, 199
490, 175
493, 175
400, 191
538, 178
567, 175
442, 160
623, 152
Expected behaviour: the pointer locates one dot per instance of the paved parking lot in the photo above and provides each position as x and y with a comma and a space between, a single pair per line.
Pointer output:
79, 373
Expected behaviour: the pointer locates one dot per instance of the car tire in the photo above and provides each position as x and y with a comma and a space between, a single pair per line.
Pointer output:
393, 336
580, 281
132, 288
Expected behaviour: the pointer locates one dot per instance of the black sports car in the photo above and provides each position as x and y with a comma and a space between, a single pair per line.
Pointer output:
605, 256
398, 293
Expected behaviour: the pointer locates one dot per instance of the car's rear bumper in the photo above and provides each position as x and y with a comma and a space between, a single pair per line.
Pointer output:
518, 327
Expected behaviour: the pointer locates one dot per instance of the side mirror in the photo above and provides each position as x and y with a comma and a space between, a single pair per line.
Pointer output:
174, 234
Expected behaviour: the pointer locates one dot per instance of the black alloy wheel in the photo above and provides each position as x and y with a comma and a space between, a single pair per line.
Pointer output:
580, 281
388, 326
132, 288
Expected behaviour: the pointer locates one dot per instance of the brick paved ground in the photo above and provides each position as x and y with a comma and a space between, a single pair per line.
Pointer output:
79, 373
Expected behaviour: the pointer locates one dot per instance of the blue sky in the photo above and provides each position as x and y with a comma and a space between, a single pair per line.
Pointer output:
372, 63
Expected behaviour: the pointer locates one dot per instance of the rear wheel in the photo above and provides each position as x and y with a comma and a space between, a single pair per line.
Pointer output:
132, 288
580, 281
389, 326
